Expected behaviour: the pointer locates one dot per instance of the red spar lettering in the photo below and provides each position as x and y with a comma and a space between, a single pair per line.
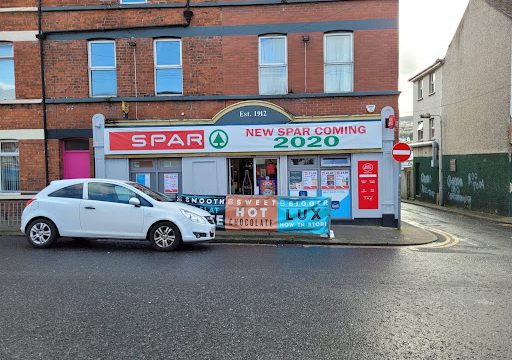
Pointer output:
157, 140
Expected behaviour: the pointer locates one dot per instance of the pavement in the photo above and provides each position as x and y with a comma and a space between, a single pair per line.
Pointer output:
355, 235
465, 212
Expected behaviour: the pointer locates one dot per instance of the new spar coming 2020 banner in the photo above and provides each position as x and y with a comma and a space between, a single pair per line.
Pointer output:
265, 213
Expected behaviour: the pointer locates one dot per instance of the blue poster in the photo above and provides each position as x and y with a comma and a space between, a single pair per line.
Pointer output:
304, 215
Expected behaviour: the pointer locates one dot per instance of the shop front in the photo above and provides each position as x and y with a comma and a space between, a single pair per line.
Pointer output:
256, 148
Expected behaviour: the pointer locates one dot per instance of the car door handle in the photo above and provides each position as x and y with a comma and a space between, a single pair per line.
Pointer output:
90, 207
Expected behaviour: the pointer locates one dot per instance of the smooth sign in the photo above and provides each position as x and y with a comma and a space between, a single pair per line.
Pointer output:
245, 139
401, 152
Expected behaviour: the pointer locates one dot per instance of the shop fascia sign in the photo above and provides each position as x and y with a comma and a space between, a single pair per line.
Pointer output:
342, 135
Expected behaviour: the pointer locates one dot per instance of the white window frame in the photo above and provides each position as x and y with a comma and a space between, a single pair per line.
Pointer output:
420, 89
124, 2
432, 127
420, 131
351, 62
155, 66
6, 154
285, 64
432, 83
100, 68
10, 58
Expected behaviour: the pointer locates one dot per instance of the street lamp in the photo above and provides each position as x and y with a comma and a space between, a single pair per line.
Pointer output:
431, 116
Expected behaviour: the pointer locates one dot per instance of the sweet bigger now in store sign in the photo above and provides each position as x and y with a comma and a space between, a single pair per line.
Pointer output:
341, 135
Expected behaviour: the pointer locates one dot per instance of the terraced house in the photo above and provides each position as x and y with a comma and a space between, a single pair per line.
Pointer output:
203, 97
462, 114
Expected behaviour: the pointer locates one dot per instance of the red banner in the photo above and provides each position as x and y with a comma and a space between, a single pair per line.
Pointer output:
157, 140
368, 184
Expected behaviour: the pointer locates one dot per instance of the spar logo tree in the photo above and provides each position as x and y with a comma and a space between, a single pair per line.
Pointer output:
218, 139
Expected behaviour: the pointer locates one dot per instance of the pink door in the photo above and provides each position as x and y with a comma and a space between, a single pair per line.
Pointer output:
76, 159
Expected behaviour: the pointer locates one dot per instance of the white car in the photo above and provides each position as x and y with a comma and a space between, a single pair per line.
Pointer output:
101, 208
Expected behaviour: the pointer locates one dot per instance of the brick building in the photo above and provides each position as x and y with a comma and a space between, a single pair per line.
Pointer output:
171, 65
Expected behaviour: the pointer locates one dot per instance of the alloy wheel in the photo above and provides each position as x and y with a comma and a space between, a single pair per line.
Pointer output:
40, 233
164, 236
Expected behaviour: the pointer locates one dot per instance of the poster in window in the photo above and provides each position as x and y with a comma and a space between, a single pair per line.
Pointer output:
295, 180
143, 179
310, 179
171, 183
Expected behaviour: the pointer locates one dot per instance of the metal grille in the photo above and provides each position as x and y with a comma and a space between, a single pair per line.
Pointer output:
10, 212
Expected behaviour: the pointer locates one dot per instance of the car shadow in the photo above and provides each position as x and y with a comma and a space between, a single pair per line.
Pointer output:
121, 245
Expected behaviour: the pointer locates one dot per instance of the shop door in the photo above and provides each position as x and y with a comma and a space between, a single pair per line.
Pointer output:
76, 159
253, 176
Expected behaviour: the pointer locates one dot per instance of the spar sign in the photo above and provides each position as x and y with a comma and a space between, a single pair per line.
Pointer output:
340, 135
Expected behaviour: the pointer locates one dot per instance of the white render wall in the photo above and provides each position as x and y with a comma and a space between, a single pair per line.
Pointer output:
431, 103
477, 75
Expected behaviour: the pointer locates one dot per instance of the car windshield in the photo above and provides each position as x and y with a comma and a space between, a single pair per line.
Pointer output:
149, 192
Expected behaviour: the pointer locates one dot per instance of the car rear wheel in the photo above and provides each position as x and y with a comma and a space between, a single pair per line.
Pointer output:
41, 233
165, 236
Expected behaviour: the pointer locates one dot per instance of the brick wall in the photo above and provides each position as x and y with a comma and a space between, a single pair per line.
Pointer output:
32, 175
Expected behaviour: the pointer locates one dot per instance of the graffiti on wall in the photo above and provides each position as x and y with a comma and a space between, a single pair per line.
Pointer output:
475, 182
426, 181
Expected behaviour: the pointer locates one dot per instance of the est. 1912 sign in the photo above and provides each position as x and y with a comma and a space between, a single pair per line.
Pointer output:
343, 135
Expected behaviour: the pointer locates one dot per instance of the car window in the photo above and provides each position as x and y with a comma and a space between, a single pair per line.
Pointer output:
149, 192
109, 192
73, 192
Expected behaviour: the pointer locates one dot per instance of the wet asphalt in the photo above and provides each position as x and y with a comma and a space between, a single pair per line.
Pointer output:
122, 300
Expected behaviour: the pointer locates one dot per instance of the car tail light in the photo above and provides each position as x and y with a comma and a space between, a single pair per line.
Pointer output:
30, 202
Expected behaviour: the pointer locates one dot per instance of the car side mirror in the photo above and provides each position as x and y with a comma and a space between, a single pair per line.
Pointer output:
134, 201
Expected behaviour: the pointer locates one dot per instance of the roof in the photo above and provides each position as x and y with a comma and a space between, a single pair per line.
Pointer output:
431, 68
504, 6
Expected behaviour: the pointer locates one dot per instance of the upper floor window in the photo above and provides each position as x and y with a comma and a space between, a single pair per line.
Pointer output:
338, 63
168, 68
133, 1
7, 72
420, 131
102, 68
420, 89
273, 65
432, 128
9, 166
432, 83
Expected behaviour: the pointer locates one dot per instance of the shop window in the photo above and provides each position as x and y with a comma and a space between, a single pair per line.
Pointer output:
338, 63
102, 68
168, 69
273, 65
163, 175
303, 161
7, 72
9, 166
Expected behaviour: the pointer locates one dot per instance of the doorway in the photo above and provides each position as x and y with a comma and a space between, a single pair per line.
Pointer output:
76, 159
253, 176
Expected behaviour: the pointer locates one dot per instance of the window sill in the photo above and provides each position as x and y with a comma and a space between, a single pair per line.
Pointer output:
419, 99
432, 93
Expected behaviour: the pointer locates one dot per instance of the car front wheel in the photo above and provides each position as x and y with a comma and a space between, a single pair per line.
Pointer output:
165, 236
41, 233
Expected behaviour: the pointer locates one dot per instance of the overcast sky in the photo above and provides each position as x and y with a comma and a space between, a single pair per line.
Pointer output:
426, 29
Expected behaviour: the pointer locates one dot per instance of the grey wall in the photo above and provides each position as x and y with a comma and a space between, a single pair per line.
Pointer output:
476, 83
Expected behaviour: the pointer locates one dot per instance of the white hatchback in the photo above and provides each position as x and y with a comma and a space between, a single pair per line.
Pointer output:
103, 208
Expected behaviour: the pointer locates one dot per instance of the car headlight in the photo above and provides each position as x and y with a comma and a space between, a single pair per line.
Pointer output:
193, 216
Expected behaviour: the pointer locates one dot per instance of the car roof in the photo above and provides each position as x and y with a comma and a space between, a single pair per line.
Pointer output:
64, 182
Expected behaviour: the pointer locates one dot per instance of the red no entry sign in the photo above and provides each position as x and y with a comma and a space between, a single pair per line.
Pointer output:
401, 152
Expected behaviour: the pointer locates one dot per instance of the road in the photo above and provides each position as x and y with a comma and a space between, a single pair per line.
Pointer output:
122, 300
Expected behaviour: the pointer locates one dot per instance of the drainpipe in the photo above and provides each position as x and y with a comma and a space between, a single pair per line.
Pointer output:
41, 37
